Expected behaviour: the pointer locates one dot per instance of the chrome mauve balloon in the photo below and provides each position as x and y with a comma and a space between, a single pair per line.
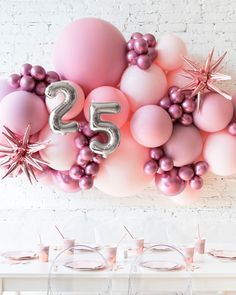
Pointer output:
55, 118
97, 125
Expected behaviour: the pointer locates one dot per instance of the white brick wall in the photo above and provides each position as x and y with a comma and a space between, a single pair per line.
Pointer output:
28, 29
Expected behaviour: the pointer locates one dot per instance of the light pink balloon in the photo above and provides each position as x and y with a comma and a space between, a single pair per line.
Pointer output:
185, 145
109, 94
19, 109
45, 177
65, 183
122, 173
215, 114
234, 105
219, 152
151, 126
90, 52
187, 197
143, 87
5, 88
176, 78
171, 50
61, 151
52, 103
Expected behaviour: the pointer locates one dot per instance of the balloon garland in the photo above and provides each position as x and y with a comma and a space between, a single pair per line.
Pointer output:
118, 115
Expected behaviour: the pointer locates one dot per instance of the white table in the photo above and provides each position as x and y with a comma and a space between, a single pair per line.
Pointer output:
212, 276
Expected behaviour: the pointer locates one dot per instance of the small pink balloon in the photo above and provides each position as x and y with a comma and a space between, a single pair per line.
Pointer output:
52, 103
65, 182
19, 109
187, 197
61, 151
151, 126
215, 113
122, 173
219, 153
143, 87
5, 88
90, 52
109, 94
185, 145
171, 50
177, 78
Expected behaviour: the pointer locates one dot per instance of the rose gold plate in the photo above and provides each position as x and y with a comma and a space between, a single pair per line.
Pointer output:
85, 265
20, 255
230, 254
161, 265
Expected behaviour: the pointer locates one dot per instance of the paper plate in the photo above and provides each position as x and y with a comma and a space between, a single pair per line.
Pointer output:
19, 255
161, 265
230, 254
85, 265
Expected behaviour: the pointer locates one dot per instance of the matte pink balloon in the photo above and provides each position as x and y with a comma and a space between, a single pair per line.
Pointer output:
171, 50
234, 105
122, 173
151, 126
65, 183
187, 197
143, 87
109, 94
5, 88
45, 177
19, 109
90, 52
61, 151
184, 146
219, 153
176, 78
52, 103
215, 114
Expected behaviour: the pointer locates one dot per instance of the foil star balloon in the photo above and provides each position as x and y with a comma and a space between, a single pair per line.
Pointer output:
21, 155
204, 77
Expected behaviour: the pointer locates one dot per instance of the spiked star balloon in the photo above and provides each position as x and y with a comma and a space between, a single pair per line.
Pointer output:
204, 77
21, 155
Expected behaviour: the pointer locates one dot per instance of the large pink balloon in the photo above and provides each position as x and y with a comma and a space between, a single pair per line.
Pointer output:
19, 109
143, 87
171, 50
176, 78
90, 52
61, 151
122, 173
109, 94
151, 126
219, 152
52, 103
185, 145
234, 104
5, 88
215, 114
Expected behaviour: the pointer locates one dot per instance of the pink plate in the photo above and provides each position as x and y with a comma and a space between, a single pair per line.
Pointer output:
19, 255
85, 265
231, 254
161, 265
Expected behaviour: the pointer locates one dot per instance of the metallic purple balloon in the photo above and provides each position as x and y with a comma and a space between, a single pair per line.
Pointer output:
156, 153
175, 111
86, 182
196, 183
166, 164
140, 46
81, 162
130, 44
38, 73
136, 35
165, 102
152, 53
186, 119
66, 183
170, 183
176, 96
186, 173
189, 105
14, 80
87, 131
144, 62
27, 83
201, 168
86, 154
132, 57
92, 169
25, 69
232, 128
40, 88
52, 77
81, 141
151, 167
76, 172
98, 159
172, 89
151, 40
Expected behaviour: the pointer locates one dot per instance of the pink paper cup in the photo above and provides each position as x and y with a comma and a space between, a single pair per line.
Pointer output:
138, 244
200, 245
68, 245
188, 252
110, 252
43, 252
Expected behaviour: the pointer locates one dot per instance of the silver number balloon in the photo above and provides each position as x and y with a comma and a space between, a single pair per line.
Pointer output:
96, 124
55, 118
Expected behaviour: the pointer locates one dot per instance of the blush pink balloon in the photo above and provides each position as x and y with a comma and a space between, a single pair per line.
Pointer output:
65, 183
185, 145
187, 197
90, 52
176, 78
234, 105
45, 177
19, 109
151, 126
219, 153
171, 50
5, 88
61, 151
143, 87
52, 103
109, 94
215, 114
122, 173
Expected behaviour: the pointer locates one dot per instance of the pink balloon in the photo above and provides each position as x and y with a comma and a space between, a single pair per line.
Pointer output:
171, 50
52, 103
109, 94
19, 109
122, 173
185, 145
215, 114
90, 52
234, 105
5, 88
176, 78
143, 87
65, 183
151, 126
45, 177
219, 153
187, 197
61, 151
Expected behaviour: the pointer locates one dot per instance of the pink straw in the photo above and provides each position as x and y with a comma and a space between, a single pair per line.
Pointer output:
59, 232
128, 232
198, 232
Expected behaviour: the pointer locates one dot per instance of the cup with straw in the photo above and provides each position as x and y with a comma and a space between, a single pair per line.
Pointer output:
138, 243
200, 242
68, 243
43, 250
